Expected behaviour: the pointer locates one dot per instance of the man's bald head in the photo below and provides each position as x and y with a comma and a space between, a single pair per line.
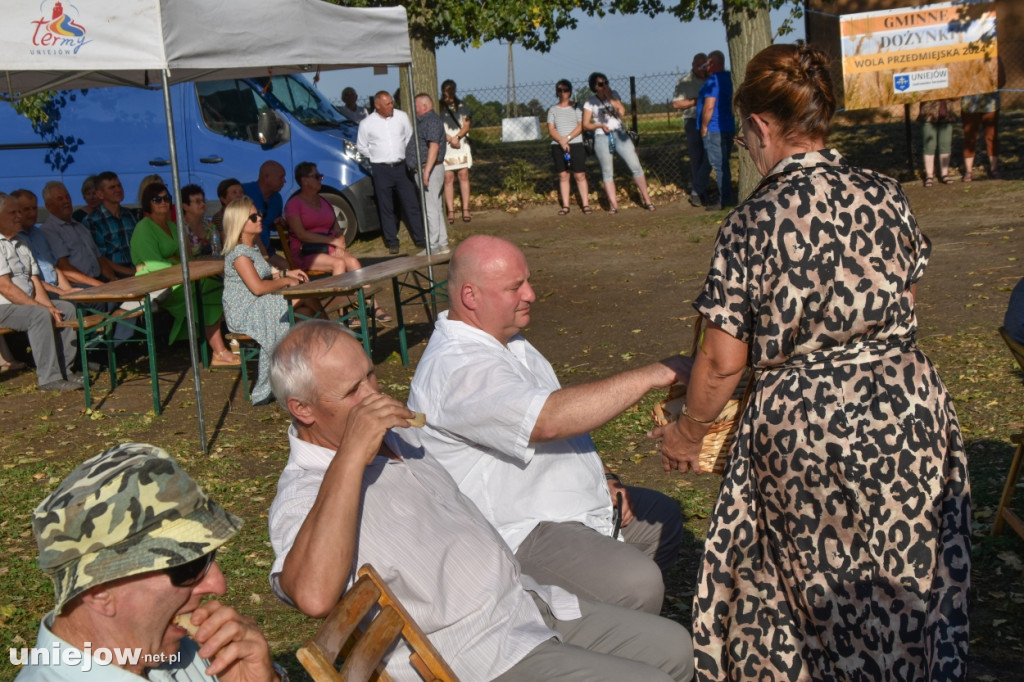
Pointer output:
489, 283
271, 178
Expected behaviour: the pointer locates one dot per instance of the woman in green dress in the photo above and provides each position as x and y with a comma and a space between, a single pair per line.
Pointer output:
154, 246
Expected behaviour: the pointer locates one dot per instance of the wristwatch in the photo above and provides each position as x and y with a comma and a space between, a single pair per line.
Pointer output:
609, 476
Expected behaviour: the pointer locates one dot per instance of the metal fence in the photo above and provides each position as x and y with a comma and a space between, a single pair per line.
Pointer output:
526, 168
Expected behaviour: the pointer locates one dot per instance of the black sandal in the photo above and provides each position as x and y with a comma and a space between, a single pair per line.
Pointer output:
587, 210
563, 211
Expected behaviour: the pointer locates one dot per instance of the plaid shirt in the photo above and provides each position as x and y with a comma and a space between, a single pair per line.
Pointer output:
113, 235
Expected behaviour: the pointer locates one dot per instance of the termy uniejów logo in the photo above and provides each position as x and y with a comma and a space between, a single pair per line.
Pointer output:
61, 33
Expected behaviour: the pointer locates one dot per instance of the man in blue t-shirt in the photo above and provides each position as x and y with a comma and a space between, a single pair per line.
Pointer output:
717, 125
265, 193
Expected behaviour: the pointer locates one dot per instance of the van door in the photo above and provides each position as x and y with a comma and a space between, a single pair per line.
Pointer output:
223, 140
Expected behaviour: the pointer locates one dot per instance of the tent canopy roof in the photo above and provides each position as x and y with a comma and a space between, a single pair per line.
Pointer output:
68, 44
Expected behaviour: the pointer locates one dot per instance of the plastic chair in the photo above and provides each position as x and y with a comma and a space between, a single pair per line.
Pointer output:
1005, 515
362, 651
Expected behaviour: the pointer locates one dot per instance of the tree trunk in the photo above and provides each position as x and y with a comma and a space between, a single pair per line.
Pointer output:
424, 69
749, 31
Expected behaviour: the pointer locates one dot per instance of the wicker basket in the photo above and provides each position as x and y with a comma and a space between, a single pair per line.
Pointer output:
714, 449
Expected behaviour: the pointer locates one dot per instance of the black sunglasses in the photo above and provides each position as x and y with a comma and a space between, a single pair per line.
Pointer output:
193, 572
562, 90
254, 217
318, 176
601, 84
161, 198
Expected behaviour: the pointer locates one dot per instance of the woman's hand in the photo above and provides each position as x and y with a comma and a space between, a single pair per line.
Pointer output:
338, 243
565, 144
606, 129
679, 450
298, 275
454, 141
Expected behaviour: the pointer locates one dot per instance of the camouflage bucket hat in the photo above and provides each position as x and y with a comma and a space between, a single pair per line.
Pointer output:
126, 511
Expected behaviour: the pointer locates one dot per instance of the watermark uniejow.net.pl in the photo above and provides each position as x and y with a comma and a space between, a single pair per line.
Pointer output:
88, 657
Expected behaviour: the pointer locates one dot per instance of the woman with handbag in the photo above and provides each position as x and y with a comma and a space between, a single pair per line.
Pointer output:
937, 117
315, 238
458, 157
603, 114
566, 129
840, 543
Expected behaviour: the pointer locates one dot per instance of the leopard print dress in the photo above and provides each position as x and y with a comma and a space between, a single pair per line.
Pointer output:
839, 548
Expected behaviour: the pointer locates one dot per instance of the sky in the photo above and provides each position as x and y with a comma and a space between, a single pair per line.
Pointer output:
616, 45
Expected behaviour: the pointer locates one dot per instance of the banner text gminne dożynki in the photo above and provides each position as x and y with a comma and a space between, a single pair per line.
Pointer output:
921, 53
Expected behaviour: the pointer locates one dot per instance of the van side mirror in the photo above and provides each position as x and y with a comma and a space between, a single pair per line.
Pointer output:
268, 128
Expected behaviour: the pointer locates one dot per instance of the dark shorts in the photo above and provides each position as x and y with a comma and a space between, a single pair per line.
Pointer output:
577, 158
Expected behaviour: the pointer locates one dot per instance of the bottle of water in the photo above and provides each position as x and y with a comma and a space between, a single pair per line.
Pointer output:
215, 244
611, 141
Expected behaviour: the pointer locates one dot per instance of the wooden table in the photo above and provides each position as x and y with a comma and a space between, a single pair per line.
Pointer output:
417, 280
139, 289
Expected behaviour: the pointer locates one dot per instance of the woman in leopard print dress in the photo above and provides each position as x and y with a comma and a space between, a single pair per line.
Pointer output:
839, 547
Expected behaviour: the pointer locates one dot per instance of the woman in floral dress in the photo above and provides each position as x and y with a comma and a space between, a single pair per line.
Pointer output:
248, 282
839, 546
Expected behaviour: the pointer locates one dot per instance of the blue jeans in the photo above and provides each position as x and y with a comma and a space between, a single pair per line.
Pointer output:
700, 169
718, 147
623, 147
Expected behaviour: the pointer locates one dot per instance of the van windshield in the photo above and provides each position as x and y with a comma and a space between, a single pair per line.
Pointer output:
303, 102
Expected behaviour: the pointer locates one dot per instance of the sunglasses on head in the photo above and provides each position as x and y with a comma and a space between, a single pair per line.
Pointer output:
162, 198
191, 573
255, 217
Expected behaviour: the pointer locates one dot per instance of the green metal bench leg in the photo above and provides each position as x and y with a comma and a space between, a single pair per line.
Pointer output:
403, 344
154, 378
84, 352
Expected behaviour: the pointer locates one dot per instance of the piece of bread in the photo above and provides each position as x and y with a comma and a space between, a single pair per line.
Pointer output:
184, 620
419, 421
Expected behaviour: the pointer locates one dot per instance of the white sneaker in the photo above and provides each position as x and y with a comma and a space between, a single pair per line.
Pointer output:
443, 249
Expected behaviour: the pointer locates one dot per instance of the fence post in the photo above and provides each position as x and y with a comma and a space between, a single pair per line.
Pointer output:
632, 98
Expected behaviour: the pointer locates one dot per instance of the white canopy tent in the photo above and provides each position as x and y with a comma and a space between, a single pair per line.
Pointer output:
73, 44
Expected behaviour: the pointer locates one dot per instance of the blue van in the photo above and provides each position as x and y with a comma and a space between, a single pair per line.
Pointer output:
224, 129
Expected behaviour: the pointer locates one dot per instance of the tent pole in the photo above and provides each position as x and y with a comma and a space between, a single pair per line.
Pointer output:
183, 252
419, 173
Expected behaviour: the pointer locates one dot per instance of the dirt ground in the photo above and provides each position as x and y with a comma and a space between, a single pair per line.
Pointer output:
613, 291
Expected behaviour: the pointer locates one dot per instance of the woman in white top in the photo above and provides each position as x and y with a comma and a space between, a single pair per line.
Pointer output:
458, 158
566, 129
603, 114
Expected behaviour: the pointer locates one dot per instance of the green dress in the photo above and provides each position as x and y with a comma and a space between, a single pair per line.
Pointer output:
152, 250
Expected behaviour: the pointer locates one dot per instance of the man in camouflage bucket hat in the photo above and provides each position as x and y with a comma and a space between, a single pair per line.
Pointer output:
129, 540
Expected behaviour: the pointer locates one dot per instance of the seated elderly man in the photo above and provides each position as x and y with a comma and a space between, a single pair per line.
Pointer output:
53, 279
129, 541
73, 247
25, 306
347, 498
518, 444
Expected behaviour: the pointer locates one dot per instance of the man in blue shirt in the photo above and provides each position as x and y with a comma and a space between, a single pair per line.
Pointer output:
717, 125
54, 280
265, 193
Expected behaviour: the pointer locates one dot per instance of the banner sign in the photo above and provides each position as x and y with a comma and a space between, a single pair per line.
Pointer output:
914, 54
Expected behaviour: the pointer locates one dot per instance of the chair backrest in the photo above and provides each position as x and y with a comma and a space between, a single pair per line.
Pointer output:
1016, 348
289, 255
286, 244
362, 652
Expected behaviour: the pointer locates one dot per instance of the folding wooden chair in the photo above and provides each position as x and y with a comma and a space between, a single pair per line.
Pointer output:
286, 249
362, 652
1005, 515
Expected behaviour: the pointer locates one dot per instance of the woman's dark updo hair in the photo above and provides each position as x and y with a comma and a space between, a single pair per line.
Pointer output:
565, 84
792, 83
592, 80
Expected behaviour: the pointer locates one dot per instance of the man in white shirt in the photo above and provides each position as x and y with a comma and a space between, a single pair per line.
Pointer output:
518, 444
351, 108
685, 98
383, 137
24, 306
346, 498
